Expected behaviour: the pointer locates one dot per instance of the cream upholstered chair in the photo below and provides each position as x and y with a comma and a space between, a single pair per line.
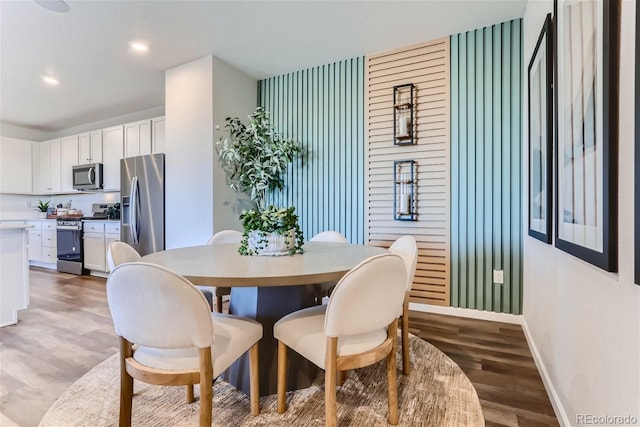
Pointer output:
321, 290
121, 252
407, 248
224, 236
342, 335
178, 341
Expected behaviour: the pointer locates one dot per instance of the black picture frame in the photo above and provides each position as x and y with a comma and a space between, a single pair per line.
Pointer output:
540, 90
586, 129
636, 169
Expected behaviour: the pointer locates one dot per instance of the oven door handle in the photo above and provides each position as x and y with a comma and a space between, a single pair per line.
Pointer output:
68, 227
133, 201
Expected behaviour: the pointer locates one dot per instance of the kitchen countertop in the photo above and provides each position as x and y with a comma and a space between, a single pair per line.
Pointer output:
14, 226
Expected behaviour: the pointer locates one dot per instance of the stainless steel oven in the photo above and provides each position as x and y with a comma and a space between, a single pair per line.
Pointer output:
70, 246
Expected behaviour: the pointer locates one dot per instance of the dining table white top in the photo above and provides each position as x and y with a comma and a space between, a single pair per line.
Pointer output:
222, 265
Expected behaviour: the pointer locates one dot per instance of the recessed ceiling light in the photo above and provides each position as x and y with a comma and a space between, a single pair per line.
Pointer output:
54, 5
50, 80
139, 46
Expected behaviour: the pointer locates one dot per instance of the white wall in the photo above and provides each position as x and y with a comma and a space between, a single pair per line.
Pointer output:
199, 95
584, 323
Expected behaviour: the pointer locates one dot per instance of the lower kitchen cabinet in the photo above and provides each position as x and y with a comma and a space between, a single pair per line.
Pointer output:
43, 249
97, 237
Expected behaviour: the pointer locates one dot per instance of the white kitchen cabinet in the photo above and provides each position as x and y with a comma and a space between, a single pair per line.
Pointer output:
43, 249
137, 138
35, 240
97, 237
112, 140
157, 135
15, 166
68, 159
47, 172
90, 148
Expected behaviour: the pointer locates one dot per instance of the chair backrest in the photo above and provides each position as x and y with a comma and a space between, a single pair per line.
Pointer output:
367, 298
225, 236
119, 253
329, 236
154, 307
407, 248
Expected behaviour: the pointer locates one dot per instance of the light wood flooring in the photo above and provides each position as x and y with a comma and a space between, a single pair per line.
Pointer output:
67, 330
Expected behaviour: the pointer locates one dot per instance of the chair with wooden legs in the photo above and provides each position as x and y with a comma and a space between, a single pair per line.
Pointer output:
121, 252
168, 336
407, 248
321, 290
341, 335
224, 236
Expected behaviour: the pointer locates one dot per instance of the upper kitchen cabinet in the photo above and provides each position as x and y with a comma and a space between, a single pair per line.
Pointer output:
90, 148
15, 166
137, 138
68, 159
157, 135
112, 141
47, 167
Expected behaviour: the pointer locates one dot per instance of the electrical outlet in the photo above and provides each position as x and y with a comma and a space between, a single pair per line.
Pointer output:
498, 276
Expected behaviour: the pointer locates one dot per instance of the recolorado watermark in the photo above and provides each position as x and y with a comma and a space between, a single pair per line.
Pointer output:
606, 420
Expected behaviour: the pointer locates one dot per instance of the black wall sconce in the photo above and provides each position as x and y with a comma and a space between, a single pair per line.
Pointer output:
403, 114
404, 190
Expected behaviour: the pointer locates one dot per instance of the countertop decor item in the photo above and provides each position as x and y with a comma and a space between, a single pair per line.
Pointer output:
255, 157
42, 209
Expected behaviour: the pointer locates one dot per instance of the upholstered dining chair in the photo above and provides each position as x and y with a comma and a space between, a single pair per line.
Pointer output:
342, 335
224, 236
407, 248
121, 252
321, 290
175, 340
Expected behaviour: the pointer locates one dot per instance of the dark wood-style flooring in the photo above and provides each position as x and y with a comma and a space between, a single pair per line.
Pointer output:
67, 330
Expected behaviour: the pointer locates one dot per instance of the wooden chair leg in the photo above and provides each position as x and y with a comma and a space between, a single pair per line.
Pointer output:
406, 362
342, 376
206, 387
392, 376
219, 303
282, 377
126, 384
188, 391
254, 380
330, 375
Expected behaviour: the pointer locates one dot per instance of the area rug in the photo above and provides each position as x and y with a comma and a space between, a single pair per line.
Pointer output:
436, 393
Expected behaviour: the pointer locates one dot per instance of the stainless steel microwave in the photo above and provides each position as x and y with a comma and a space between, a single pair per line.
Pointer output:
87, 177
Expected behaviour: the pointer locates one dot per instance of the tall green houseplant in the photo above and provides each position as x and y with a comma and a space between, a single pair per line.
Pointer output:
255, 157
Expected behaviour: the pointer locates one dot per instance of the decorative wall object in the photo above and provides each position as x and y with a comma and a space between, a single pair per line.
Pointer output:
426, 66
486, 167
541, 135
404, 190
586, 74
322, 107
403, 114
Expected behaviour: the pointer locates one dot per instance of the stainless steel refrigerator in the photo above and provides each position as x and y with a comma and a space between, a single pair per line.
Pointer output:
142, 202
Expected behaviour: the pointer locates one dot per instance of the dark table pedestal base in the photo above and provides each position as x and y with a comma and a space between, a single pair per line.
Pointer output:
267, 305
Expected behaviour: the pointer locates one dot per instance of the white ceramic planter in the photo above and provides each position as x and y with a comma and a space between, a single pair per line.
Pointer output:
275, 244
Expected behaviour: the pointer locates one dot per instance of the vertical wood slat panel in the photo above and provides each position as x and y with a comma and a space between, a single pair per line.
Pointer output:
321, 107
427, 65
486, 168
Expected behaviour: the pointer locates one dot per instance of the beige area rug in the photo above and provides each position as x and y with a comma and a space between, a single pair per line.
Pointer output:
436, 393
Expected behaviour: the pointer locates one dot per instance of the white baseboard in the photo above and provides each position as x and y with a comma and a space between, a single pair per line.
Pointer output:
561, 414
467, 312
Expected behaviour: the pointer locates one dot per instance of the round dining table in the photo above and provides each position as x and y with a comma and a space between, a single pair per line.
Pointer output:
266, 288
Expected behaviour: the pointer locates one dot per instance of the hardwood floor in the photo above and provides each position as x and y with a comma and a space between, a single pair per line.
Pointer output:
67, 330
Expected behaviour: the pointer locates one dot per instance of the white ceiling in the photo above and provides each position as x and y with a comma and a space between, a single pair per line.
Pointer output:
87, 48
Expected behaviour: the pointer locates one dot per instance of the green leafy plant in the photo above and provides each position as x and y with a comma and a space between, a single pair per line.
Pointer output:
42, 206
255, 156
281, 221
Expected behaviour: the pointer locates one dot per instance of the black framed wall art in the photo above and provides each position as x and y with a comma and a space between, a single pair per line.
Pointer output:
541, 135
586, 132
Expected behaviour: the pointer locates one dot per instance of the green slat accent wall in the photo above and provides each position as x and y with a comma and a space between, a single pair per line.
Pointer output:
322, 107
486, 173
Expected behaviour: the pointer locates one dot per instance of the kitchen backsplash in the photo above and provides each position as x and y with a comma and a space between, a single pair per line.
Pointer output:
14, 207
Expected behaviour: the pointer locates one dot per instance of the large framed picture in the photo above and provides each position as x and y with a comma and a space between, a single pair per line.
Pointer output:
541, 135
586, 76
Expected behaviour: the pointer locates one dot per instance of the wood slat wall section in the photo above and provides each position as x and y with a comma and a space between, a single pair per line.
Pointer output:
427, 66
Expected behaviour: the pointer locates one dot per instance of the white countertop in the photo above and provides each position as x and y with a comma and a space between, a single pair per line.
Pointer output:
13, 226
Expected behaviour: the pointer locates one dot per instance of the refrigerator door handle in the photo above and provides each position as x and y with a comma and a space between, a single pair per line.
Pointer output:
133, 203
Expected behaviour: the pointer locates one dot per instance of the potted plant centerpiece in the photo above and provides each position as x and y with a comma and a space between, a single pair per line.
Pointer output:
254, 157
42, 208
